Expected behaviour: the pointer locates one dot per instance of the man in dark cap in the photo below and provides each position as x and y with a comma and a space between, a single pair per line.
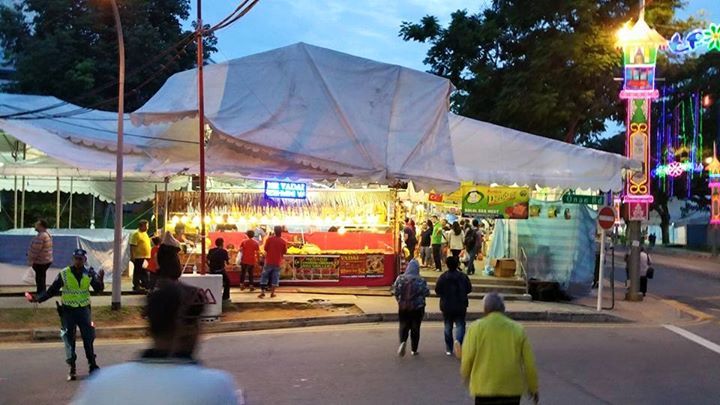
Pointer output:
75, 282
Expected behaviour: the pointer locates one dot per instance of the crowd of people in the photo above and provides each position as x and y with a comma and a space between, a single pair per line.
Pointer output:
497, 362
438, 238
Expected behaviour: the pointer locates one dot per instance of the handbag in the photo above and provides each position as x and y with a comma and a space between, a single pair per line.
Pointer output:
650, 272
29, 277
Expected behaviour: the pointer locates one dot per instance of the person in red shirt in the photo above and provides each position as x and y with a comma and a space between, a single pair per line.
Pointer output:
249, 252
275, 249
153, 264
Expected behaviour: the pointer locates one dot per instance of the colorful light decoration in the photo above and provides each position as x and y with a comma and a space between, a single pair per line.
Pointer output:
677, 169
640, 45
700, 40
713, 169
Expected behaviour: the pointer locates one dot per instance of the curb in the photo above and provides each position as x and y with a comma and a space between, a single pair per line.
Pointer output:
134, 332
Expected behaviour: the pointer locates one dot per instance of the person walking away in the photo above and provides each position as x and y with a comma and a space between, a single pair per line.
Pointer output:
498, 364
275, 249
456, 239
167, 372
152, 266
168, 258
437, 240
40, 255
426, 243
453, 288
217, 259
410, 238
471, 245
140, 248
249, 255
645, 264
75, 282
410, 291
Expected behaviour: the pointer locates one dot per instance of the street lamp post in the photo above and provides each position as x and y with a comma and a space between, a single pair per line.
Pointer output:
117, 242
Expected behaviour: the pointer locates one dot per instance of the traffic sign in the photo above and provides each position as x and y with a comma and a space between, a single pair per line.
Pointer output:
572, 198
606, 218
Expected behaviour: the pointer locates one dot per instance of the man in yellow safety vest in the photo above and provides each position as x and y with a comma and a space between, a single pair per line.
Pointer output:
75, 282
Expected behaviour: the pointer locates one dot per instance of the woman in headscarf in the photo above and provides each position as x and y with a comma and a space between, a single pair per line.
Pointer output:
410, 291
168, 258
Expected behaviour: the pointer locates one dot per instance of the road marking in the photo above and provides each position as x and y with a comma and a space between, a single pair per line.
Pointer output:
693, 337
699, 315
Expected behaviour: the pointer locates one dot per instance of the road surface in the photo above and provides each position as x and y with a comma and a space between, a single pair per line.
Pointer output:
356, 364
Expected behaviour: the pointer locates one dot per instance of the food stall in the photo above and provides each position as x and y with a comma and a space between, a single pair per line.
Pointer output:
336, 236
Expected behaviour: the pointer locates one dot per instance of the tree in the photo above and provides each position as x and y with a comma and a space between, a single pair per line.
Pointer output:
541, 66
68, 48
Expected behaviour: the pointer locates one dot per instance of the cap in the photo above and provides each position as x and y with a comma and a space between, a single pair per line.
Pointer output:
80, 253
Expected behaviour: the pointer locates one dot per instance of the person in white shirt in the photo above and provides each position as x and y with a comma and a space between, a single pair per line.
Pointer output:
456, 239
167, 373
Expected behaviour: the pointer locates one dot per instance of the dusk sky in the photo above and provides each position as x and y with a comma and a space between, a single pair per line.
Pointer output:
368, 29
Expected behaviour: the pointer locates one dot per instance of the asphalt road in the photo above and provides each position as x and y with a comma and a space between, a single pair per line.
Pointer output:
578, 364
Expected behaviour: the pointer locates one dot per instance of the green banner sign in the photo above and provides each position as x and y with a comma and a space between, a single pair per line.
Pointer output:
571, 198
495, 202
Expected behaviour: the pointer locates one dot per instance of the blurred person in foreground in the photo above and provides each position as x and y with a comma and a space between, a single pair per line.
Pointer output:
75, 282
498, 364
167, 373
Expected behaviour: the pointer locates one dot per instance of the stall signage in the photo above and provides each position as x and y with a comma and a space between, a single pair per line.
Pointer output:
362, 266
495, 202
311, 268
285, 189
572, 198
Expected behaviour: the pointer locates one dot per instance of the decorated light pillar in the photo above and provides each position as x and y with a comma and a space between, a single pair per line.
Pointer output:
640, 45
713, 169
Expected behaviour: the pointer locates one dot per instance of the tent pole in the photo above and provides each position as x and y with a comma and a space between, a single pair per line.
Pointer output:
57, 203
22, 203
201, 132
15, 205
167, 202
92, 218
156, 209
70, 210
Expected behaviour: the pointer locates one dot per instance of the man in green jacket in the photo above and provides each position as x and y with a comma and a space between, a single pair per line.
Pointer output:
75, 282
498, 364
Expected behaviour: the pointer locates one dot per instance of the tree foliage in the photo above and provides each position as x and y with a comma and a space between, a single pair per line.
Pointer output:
68, 48
542, 66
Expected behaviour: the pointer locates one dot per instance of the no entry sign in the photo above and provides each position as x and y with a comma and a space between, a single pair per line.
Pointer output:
606, 218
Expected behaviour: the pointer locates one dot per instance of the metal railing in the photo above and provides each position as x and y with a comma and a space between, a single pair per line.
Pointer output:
523, 269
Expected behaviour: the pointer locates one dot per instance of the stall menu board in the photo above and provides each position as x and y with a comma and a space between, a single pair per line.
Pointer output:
285, 189
311, 268
362, 266
495, 202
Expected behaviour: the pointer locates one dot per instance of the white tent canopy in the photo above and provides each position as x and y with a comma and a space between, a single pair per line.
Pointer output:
487, 153
321, 110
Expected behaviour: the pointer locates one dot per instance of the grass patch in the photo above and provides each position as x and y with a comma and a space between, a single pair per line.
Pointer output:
29, 318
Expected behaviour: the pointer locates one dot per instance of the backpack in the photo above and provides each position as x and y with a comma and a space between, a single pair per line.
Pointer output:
407, 296
470, 239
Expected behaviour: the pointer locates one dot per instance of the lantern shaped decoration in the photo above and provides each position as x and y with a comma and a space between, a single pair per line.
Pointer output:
713, 169
640, 45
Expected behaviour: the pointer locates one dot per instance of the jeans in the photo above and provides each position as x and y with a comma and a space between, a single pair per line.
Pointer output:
140, 277
471, 264
410, 325
226, 283
270, 275
246, 269
437, 256
40, 276
459, 321
73, 318
425, 254
411, 249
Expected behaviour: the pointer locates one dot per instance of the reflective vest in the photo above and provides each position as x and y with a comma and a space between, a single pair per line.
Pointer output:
73, 294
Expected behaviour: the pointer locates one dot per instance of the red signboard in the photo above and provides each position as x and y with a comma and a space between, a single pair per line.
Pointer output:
606, 218
638, 211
